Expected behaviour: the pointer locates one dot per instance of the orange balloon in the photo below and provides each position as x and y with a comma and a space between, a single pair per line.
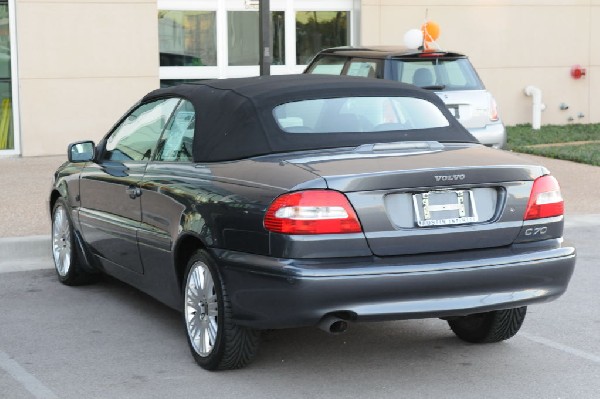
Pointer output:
431, 31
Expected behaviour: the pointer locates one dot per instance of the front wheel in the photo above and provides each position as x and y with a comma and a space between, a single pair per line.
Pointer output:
214, 340
66, 260
495, 326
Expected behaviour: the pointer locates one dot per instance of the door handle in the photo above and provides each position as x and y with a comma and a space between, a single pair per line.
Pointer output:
133, 192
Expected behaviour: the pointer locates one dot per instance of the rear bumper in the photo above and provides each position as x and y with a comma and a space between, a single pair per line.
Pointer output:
279, 293
493, 135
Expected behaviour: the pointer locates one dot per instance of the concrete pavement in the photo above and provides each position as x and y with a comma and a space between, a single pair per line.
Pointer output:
26, 182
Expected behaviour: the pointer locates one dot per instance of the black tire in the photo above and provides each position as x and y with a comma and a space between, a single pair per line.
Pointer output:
233, 346
489, 327
67, 260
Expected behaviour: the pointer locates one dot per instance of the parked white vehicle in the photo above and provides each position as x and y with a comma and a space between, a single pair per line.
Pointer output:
450, 75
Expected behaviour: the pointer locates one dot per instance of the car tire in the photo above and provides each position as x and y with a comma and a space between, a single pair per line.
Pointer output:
215, 341
489, 327
67, 262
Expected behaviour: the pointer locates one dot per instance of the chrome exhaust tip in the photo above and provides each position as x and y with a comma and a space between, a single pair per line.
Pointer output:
333, 325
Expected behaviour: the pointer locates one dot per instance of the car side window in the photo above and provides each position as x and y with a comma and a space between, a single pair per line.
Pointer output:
137, 136
176, 143
328, 65
365, 68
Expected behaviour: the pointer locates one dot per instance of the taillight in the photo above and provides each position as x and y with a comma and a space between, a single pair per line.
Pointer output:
545, 199
312, 212
494, 110
430, 53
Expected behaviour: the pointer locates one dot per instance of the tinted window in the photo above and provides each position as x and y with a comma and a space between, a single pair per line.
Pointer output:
187, 38
7, 139
358, 114
317, 30
243, 45
136, 137
450, 74
176, 142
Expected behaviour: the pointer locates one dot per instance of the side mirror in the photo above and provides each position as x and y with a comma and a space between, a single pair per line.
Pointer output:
82, 151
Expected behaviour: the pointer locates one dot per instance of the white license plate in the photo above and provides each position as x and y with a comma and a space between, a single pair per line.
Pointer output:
444, 207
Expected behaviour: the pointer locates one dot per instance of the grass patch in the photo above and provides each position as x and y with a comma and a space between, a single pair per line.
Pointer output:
521, 138
582, 153
524, 135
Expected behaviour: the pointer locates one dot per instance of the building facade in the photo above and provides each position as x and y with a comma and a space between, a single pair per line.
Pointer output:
70, 68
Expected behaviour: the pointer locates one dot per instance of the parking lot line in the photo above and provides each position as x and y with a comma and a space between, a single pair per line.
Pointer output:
563, 348
26, 379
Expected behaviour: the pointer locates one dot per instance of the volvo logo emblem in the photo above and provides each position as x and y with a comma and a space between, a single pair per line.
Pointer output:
450, 177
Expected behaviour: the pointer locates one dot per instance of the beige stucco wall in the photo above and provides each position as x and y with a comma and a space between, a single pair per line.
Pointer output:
82, 64
512, 43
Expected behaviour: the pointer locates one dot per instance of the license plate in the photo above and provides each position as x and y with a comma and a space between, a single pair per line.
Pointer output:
444, 207
454, 110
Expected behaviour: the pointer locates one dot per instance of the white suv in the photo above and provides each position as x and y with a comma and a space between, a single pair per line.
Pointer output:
449, 74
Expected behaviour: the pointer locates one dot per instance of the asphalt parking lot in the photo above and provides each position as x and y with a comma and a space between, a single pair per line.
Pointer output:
110, 341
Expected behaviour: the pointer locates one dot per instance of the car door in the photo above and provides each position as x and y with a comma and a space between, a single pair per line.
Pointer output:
110, 212
168, 189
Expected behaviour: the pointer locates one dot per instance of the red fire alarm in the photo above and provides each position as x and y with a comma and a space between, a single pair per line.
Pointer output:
577, 71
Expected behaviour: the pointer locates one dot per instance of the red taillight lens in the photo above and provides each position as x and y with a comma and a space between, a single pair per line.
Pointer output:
494, 111
312, 212
545, 199
430, 53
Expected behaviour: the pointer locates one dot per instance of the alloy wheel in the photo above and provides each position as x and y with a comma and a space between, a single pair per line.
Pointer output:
61, 241
201, 309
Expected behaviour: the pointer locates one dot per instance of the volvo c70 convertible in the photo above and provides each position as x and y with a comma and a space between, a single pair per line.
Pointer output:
309, 200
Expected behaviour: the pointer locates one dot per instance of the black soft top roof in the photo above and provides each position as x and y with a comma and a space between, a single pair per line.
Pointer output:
234, 117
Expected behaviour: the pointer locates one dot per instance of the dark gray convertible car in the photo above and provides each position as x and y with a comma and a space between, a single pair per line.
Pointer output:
278, 202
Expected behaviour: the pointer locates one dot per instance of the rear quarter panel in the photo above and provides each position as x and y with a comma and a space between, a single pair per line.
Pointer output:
222, 204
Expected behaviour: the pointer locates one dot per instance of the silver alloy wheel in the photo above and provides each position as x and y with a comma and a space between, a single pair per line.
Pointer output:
201, 309
61, 241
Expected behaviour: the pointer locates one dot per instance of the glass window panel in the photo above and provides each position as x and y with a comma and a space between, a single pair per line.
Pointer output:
328, 65
164, 83
187, 38
317, 30
418, 73
452, 74
243, 37
364, 68
358, 114
176, 143
6, 126
136, 137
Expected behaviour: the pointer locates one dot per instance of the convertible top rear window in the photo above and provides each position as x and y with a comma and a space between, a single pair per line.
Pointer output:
358, 114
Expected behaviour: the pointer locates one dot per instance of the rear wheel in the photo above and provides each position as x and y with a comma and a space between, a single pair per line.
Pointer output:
66, 260
214, 340
489, 327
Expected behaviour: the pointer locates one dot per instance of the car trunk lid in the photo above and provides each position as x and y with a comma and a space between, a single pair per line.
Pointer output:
428, 197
